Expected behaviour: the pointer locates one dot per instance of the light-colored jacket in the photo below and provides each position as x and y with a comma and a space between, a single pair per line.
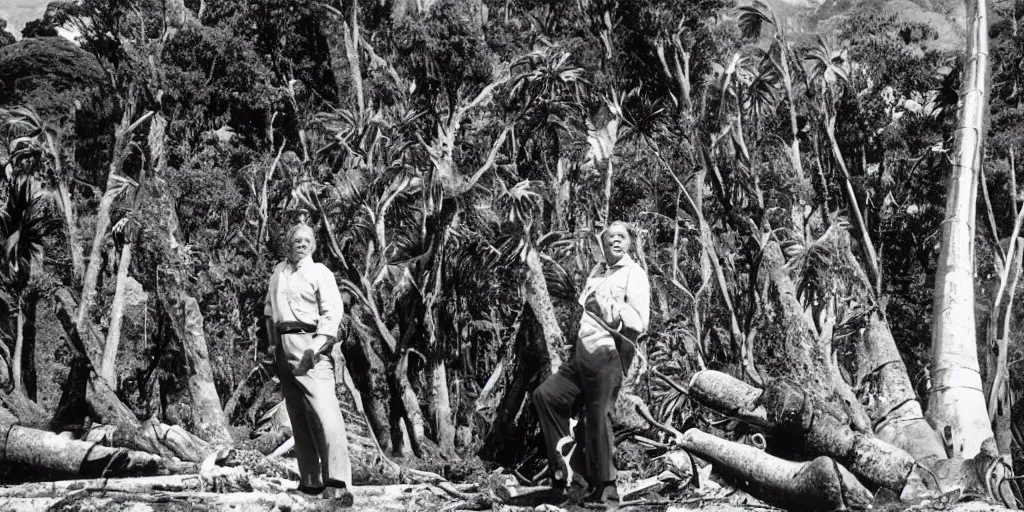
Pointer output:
623, 291
304, 293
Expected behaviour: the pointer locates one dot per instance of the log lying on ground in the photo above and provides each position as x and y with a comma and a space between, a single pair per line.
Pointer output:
171, 501
784, 408
61, 457
171, 439
224, 480
367, 499
821, 484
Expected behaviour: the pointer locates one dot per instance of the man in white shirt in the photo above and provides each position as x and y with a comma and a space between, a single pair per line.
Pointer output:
617, 297
303, 309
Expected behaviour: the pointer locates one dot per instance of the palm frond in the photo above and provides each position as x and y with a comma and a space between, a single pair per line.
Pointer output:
753, 17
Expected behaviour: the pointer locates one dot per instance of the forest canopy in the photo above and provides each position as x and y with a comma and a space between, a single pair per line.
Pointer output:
787, 170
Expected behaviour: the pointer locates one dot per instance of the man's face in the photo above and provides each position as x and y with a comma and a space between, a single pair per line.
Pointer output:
616, 243
301, 245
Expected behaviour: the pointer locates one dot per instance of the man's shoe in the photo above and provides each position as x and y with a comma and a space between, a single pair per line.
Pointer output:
338, 492
607, 494
308, 491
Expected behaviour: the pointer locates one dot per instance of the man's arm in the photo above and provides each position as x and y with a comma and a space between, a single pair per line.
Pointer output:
268, 316
331, 306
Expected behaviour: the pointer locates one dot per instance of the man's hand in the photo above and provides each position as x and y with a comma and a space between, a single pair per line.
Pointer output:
310, 356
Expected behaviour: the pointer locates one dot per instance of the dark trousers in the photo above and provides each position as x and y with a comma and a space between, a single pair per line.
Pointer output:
590, 381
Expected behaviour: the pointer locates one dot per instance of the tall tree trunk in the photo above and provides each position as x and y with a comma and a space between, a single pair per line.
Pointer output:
113, 187
956, 402
885, 387
535, 290
71, 230
107, 366
440, 406
405, 406
19, 343
371, 379
210, 422
794, 128
508, 439
28, 355
352, 52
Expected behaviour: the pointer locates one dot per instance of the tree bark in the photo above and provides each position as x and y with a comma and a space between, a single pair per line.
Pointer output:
19, 343
28, 350
821, 484
508, 438
114, 185
371, 379
785, 410
956, 402
809, 359
59, 457
210, 422
406, 404
441, 409
884, 386
535, 291
107, 366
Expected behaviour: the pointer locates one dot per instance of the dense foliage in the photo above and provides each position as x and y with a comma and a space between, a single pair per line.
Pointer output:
435, 151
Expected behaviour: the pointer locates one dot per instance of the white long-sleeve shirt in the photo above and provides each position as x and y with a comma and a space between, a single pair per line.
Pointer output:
623, 291
305, 293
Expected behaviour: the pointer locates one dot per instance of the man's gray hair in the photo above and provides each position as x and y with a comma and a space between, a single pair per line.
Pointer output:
630, 232
298, 228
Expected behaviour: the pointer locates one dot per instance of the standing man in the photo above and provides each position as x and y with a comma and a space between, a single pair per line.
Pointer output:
303, 309
617, 303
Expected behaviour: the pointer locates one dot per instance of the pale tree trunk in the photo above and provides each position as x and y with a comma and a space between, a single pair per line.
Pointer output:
19, 344
886, 388
441, 409
210, 422
956, 402
57, 456
439, 402
113, 187
535, 291
794, 128
71, 230
352, 52
107, 366
373, 382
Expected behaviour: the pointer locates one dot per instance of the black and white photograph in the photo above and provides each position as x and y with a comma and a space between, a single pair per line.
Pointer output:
511, 255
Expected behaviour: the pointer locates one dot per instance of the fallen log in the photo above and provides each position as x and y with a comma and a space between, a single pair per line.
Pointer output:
61, 457
782, 408
819, 485
171, 439
230, 480
170, 501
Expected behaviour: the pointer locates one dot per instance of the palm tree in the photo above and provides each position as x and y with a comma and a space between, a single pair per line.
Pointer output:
30, 144
752, 20
24, 226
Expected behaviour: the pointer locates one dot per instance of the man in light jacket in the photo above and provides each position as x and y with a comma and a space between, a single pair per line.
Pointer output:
303, 309
617, 303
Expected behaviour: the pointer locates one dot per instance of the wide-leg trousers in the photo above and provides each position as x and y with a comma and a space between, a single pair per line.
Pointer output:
591, 382
321, 445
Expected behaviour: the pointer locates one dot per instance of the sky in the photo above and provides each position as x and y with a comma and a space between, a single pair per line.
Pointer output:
19, 12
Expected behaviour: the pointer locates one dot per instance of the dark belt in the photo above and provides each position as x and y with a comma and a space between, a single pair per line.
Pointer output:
295, 328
